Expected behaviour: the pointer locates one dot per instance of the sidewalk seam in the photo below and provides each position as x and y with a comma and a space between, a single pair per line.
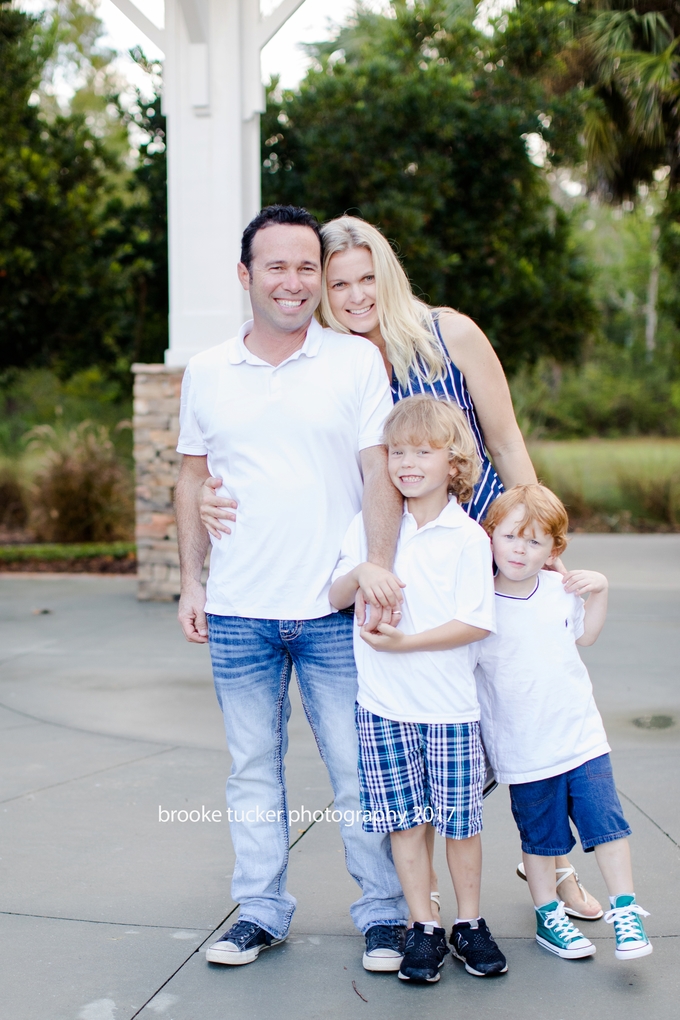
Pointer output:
215, 930
92, 733
89, 920
648, 817
87, 775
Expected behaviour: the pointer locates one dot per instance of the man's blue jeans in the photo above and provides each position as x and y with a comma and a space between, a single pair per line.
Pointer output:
252, 665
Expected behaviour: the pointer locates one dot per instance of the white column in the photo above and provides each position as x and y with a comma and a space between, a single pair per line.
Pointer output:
205, 173
212, 98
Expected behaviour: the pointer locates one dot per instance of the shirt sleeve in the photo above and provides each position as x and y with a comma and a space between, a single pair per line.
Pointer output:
353, 550
578, 617
375, 400
190, 435
474, 585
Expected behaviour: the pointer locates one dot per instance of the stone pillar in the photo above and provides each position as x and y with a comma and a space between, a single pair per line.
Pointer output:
156, 427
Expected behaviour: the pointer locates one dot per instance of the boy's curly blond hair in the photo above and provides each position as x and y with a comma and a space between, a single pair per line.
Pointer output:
541, 506
443, 425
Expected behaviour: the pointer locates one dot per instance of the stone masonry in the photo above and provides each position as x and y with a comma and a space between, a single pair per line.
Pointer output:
156, 427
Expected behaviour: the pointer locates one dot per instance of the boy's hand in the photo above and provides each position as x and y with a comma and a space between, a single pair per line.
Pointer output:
579, 582
386, 638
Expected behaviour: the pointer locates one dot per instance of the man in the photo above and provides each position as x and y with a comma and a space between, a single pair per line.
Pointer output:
289, 416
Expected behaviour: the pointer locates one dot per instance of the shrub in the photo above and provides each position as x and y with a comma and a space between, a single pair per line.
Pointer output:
655, 499
614, 485
82, 492
13, 511
609, 395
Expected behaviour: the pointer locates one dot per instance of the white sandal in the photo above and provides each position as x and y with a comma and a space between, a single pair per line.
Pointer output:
434, 898
561, 874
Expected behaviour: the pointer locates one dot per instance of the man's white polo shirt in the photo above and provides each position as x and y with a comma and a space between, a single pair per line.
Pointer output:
446, 566
285, 440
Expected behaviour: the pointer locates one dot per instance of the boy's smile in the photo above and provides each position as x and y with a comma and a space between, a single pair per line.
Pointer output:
421, 473
418, 470
519, 557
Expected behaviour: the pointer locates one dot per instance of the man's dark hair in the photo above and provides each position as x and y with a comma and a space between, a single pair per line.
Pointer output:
268, 217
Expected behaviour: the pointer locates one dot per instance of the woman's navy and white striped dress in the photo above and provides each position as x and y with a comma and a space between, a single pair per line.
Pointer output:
452, 387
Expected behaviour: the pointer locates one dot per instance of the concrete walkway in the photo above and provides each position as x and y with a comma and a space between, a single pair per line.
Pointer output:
107, 714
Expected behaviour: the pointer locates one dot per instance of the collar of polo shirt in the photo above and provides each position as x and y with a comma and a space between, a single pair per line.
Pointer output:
239, 353
450, 517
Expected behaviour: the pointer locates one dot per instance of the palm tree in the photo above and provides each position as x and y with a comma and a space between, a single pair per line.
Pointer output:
632, 121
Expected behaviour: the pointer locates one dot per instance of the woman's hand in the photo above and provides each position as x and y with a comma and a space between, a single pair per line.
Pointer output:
580, 582
596, 586
215, 510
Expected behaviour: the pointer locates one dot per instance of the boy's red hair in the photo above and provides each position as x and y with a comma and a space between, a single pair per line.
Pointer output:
541, 507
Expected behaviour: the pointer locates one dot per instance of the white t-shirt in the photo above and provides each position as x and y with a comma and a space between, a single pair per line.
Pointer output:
446, 566
286, 442
539, 717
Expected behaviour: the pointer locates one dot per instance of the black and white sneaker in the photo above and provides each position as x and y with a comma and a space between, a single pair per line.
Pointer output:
384, 947
474, 944
424, 953
242, 943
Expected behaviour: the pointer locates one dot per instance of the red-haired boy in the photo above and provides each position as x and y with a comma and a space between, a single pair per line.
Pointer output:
541, 728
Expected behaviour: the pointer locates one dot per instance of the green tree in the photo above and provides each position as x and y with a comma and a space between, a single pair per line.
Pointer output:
615, 65
136, 237
405, 123
83, 261
52, 173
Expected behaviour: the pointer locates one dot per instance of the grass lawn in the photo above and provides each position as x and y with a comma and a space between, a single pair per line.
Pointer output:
84, 557
614, 484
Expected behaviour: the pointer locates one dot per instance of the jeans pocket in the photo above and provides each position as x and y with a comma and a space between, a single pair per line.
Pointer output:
598, 768
532, 794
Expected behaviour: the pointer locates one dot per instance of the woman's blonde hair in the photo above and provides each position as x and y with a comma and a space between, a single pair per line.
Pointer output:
541, 506
405, 322
443, 425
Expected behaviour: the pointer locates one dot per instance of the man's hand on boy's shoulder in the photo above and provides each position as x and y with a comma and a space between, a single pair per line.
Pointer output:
582, 582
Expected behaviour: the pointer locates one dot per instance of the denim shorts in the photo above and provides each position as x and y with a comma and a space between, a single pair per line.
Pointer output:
413, 773
586, 794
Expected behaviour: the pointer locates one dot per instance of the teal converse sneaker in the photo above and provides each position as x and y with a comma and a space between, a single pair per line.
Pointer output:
631, 939
555, 932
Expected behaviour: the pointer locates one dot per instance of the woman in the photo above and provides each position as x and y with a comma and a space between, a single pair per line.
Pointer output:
425, 350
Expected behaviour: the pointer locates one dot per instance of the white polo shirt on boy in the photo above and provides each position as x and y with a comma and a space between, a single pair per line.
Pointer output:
539, 718
285, 440
446, 566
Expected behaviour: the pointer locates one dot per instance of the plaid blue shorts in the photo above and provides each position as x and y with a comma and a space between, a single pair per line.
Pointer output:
412, 773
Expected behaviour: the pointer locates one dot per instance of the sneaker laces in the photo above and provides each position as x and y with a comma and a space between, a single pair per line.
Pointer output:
626, 922
385, 936
240, 932
558, 921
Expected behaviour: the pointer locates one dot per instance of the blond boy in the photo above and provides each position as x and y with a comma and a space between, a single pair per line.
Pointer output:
420, 755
